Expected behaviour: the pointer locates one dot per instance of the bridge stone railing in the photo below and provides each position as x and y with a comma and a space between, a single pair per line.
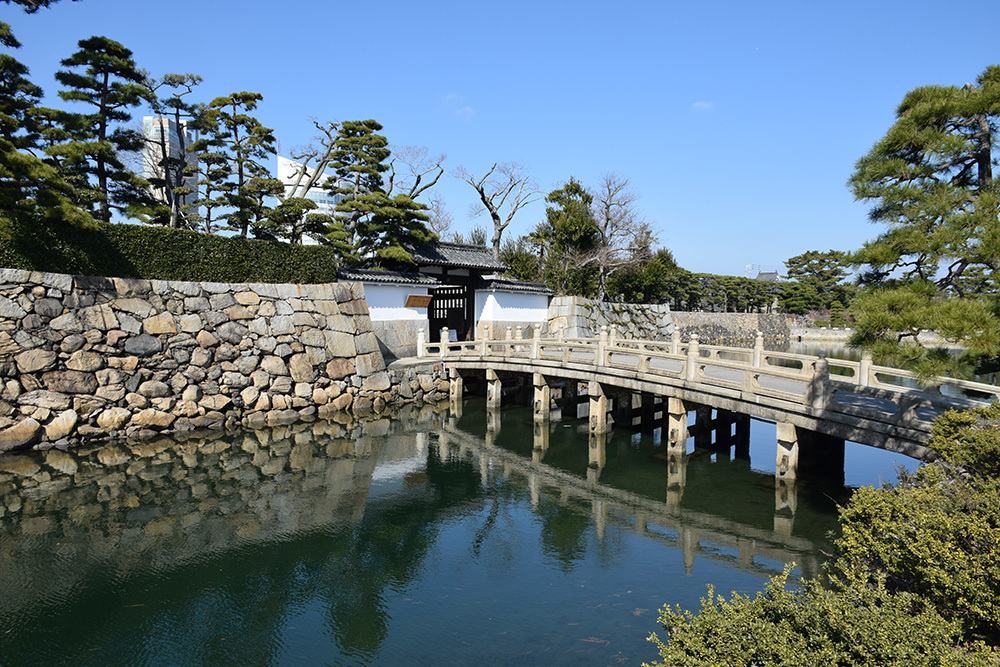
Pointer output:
853, 391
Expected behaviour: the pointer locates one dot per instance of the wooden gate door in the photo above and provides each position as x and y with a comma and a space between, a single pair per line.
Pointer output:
448, 308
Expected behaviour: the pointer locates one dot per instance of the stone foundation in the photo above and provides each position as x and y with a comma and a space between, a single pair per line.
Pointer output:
84, 358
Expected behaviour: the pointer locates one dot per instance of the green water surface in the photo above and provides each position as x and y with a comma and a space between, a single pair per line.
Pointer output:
424, 540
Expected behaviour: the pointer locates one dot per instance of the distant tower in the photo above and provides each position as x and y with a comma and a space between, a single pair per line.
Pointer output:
155, 131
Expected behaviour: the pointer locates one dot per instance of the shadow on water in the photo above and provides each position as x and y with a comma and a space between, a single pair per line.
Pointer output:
427, 539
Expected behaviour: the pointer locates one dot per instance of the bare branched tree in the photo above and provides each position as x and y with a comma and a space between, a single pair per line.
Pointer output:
412, 171
308, 176
625, 237
294, 209
504, 190
439, 218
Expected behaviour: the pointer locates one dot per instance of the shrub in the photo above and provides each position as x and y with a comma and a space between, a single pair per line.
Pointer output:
140, 251
969, 438
812, 625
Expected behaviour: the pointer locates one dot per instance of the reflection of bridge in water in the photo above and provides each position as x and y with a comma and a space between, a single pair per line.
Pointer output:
695, 533
817, 403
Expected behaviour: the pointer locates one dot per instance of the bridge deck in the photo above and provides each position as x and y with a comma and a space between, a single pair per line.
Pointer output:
854, 400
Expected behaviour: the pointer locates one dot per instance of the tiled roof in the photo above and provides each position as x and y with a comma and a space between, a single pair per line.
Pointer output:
496, 283
464, 255
394, 277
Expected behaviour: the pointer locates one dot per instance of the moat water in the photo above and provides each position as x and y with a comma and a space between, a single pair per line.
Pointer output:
425, 539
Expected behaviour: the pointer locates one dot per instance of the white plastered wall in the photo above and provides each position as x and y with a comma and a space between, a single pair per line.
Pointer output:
385, 302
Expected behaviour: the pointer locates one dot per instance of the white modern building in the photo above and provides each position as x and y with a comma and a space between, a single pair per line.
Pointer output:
163, 134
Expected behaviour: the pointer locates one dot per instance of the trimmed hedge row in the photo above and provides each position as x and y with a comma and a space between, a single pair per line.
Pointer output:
141, 251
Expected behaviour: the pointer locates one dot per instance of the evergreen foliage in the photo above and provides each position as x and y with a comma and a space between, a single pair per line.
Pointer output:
140, 251
930, 181
239, 144
378, 226
102, 75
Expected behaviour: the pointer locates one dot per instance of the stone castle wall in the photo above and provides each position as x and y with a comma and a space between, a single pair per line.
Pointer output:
578, 317
731, 327
84, 358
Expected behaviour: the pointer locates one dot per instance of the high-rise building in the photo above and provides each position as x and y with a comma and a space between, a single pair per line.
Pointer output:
288, 173
161, 133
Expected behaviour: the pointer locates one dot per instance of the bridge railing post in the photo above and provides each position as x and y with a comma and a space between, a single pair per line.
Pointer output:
693, 359
536, 342
612, 335
602, 346
818, 392
421, 342
485, 342
675, 341
865, 370
445, 339
758, 350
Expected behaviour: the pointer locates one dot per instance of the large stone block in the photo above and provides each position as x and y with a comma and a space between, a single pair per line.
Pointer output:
33, 361
61, 425
70, 382
66, 322
231, 332
274, 366
43, 398
88, 362
338, 369
367, 364
301, 368
10, 309
340, 344
113, 419
22, 434
100, 317
378, 381
143, 346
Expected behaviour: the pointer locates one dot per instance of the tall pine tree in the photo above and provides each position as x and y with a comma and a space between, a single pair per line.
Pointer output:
379, 227
103, 75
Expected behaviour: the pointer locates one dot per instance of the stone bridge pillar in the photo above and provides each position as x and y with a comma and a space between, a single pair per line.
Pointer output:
786, 462
676, 477
598, 456
804, 452
455, 389
677, 425
542, 401
598, 408
785, 504
494, 390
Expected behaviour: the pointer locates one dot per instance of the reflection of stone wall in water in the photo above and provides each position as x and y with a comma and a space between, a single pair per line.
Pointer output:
152, 505
84, 357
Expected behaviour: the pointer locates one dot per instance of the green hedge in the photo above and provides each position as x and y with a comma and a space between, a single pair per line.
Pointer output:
141, 251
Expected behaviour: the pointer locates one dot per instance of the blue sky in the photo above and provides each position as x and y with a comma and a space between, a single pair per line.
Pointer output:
737, 123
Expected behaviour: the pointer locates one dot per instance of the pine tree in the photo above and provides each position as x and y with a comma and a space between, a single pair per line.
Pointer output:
103, 75
232, 132
379, 227
930, 180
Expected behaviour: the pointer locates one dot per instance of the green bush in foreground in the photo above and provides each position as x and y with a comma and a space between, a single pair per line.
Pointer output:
916, 580
140, 251
811, 626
